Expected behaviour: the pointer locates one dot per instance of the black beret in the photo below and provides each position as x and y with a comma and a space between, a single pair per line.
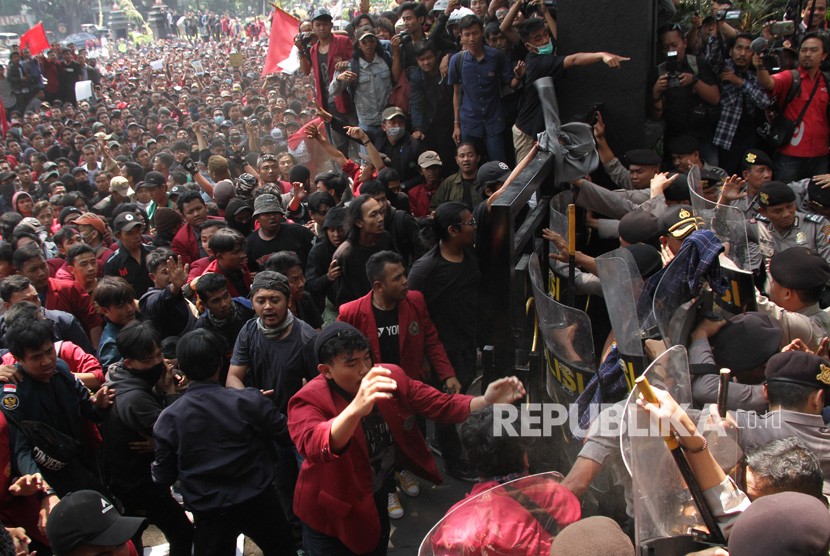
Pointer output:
646, 257
783, 524
756, 157
798, 367
639, 226
799, 268
775, 193
329, 332
678, 190
818, 195
746, 342
683, 144
642, 157
677, 221
270, 280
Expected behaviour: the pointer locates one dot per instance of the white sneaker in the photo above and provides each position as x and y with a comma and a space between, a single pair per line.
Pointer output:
393, 506
408, 483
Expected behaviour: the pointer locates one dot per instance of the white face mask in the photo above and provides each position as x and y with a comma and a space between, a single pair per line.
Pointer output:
395, 133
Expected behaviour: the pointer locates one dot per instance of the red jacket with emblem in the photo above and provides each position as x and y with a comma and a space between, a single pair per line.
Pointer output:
333, 494
418, 338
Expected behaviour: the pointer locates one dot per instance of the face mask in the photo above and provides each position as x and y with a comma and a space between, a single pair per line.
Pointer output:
218, 120
546, 49
395, 133
153, 374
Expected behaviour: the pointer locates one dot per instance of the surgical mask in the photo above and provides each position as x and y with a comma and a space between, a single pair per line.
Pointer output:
218, 119
395, 133
546, 49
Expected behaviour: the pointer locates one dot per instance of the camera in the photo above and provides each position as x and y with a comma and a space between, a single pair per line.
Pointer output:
308, 39
406, 38
782, 28
769, 57
672, 69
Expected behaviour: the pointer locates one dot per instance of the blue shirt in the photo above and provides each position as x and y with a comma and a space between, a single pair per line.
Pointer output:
482, 111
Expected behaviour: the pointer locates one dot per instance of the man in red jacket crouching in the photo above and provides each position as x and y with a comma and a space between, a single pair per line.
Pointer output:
352, 423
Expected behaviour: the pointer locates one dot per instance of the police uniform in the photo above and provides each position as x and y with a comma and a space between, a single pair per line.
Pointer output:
799, 269
754, 430
749, 205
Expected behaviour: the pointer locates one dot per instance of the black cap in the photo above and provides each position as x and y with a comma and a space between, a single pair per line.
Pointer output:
6, 175
267, 139
798, 367
77, 169
746, 341
87, 517
65, 212
816, 194
334, 329
642, 157
270, 280
154, 179
126, 221
237, 205
677, 221
775, 193
756, 157
639, 226
798, 268
492, 172
683, 144
678, 190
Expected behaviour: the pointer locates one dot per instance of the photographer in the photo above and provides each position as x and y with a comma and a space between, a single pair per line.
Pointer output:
805, 155
685, 93
743, 100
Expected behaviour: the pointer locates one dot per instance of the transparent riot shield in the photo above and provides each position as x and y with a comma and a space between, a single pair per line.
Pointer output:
519, 518
558, 222
569, 347
621, 286
663, 504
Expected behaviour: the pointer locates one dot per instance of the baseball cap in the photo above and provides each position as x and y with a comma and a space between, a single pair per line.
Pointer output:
177, 190
491, 172
87, 517
77, 170
267, 203
429, 158
154, 179
677, 221
365, 31
90, 219
392, 112
321, 13
66, 212
121, 185
6, 175
126, 221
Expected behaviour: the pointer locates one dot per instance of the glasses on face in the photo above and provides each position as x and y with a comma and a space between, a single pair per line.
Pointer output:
471, 222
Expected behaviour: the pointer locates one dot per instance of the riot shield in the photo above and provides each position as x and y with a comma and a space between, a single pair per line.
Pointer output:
674, 313
519, 517
663, 504
621, 286
558, 222
569, 347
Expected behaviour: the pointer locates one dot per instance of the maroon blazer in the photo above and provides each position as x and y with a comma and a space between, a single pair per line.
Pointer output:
418, 336
333, 494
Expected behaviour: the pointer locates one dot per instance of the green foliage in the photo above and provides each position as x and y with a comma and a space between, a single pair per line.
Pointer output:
754, 12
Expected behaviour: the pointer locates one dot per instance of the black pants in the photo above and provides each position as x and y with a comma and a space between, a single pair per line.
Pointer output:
464, 363
158, 506
261, 518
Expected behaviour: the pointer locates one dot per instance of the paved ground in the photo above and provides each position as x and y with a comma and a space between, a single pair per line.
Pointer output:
422, 513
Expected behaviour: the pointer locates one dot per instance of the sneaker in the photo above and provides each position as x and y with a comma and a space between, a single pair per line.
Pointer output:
408, 483
393, 506
462, 472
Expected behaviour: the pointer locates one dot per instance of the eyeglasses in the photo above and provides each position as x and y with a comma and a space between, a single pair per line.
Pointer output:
472, 223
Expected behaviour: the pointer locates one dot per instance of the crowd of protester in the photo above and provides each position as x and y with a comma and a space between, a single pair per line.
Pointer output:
231, 301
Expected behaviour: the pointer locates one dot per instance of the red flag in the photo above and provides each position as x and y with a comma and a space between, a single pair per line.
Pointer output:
283, 29
34, 39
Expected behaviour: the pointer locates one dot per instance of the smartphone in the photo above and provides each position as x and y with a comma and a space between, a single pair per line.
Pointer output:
781, 28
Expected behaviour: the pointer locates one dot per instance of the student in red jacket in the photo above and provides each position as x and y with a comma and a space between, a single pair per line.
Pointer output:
187, 241
351, 423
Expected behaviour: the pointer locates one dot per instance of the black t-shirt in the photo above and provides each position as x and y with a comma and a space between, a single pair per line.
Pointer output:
354, 282
451, 291
680, 102
290, 237
323, 76
308, 311
388, 335
530, 119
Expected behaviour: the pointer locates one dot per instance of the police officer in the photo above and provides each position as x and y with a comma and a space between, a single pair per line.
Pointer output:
781, 226
757, 171
797, 278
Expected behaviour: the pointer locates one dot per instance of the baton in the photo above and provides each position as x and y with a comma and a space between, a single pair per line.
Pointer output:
571, 254
723, 391
683, 466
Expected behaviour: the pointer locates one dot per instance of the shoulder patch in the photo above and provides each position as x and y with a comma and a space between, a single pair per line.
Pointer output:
815, 218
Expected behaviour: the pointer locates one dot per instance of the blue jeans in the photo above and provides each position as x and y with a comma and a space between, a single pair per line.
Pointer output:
320, 544
492, 144
793, 168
